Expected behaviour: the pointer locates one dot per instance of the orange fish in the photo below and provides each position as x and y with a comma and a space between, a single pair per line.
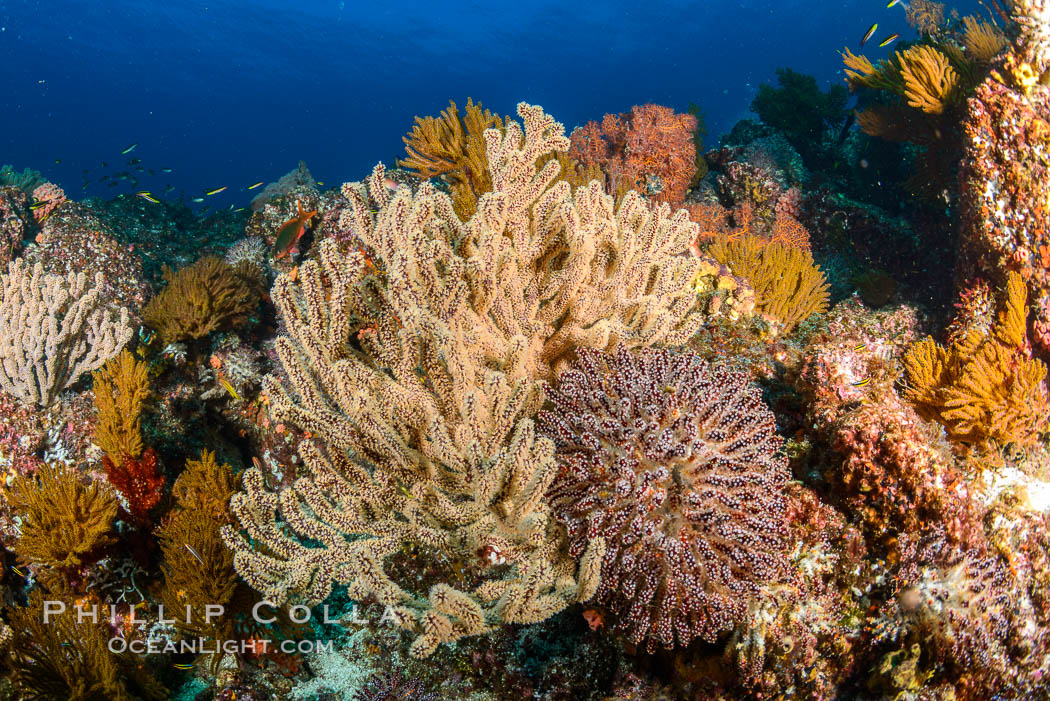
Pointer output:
594, 618
291, 231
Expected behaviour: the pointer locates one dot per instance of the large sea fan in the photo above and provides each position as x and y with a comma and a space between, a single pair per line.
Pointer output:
676, 463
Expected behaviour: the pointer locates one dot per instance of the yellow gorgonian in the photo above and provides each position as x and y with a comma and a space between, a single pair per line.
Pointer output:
984, 388
928, 78
788, 285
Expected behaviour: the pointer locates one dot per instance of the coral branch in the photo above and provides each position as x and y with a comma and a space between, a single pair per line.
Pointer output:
53, 328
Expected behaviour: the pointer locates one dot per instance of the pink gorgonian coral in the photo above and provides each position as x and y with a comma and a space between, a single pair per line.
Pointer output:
676, 463
649, 149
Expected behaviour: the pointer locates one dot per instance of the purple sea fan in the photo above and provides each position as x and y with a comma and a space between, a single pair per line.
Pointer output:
676, 463
394, 687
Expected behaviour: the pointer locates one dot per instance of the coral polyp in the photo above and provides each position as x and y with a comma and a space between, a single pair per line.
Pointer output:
676, 464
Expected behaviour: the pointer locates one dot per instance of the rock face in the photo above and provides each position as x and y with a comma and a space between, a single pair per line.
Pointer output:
1005, 192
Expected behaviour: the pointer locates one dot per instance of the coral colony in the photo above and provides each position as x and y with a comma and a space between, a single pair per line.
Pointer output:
535, 414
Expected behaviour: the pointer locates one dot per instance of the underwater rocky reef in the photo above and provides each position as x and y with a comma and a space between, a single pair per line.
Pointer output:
536, 413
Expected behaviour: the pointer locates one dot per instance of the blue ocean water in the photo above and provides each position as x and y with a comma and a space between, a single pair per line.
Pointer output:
230, 93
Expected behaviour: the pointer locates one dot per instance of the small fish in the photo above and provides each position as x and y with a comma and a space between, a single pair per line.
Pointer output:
194, 553
144, 194
594, 618
58, 161
169, 188
183, 666
320, 182
888, 40
861, 383
215, 191
291, 231
198, 199
105, 165
867, 34
258, 184
239, 209
134, 161
851, 118
229, 388
892, 3
38, 205
165, 170
860, 347
128, 150
17, 571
